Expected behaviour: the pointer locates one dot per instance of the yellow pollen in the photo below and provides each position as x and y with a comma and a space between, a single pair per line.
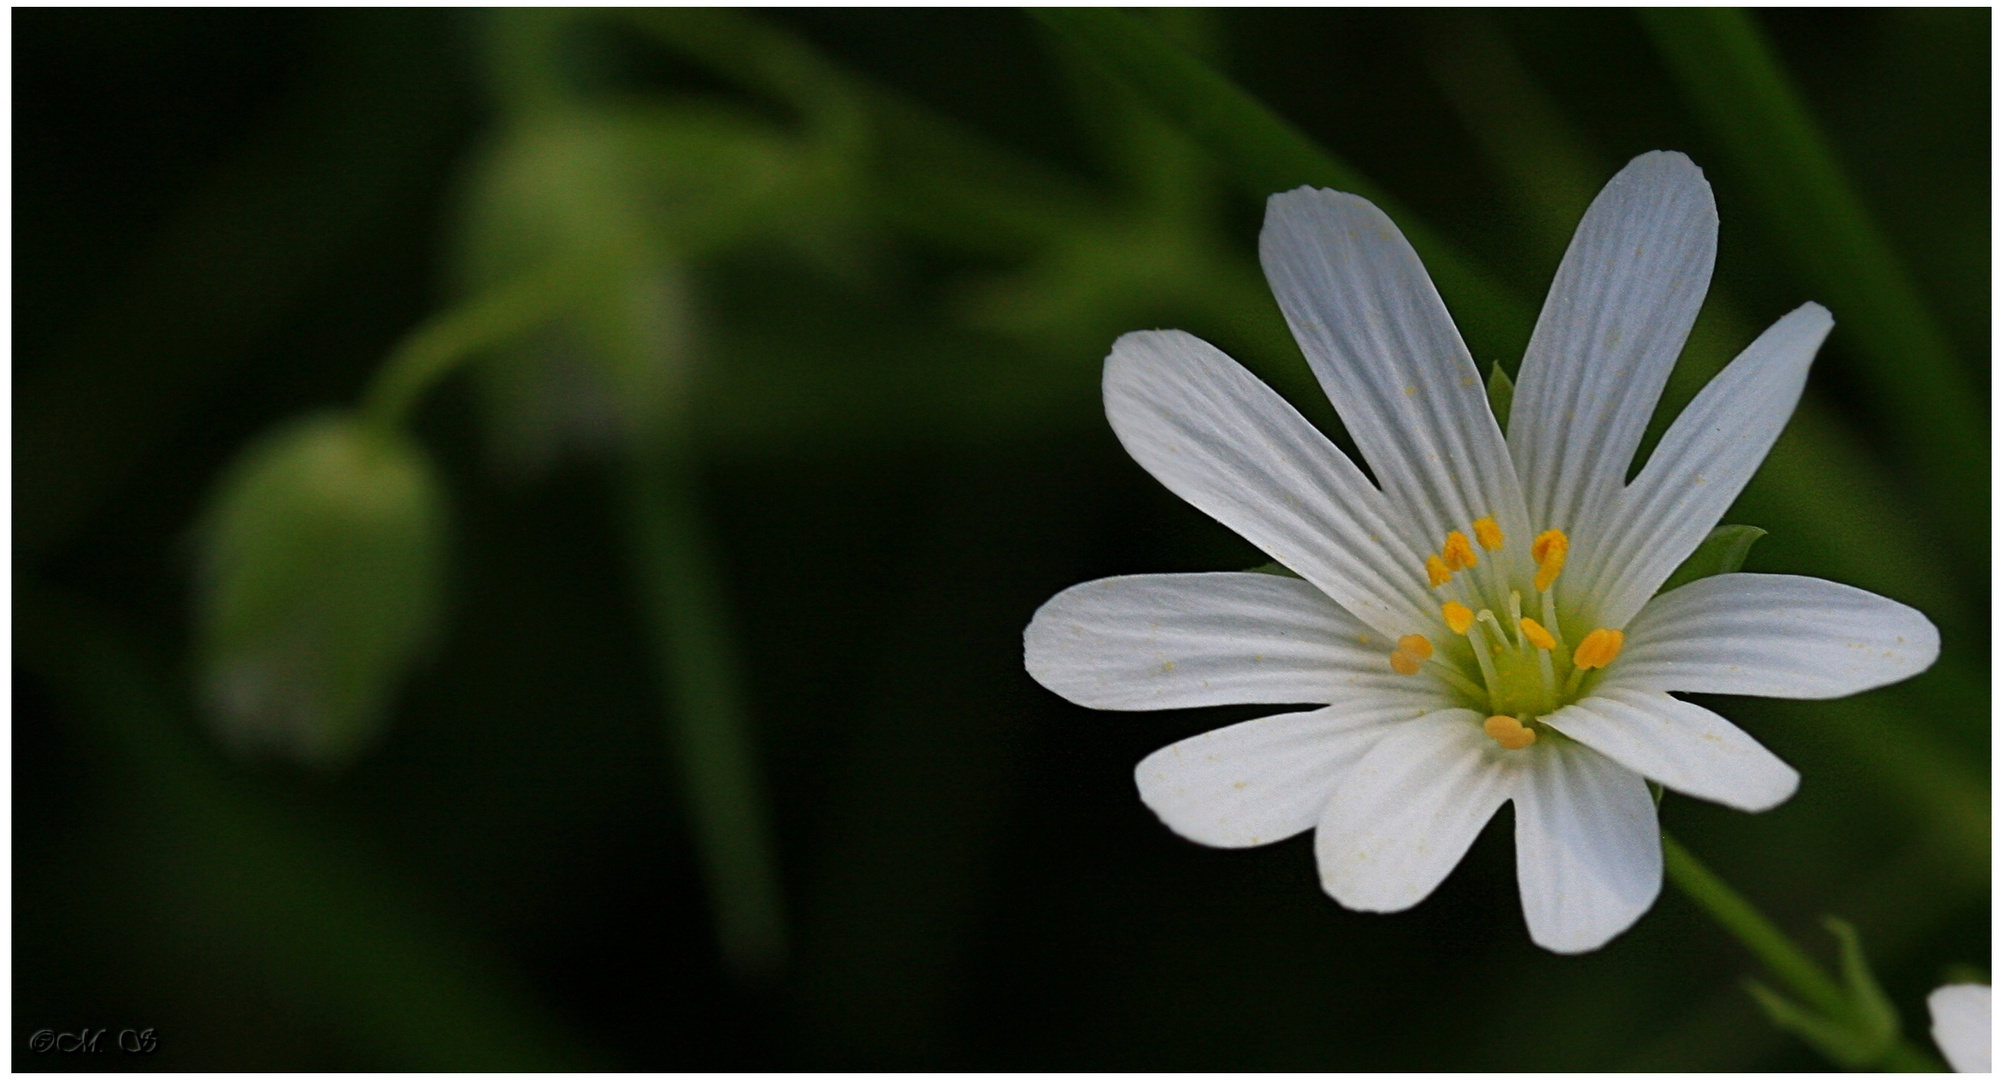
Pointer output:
1509, 732
1538, 636
1404, 663
1488, 534
1549, 550
1458, 617
1459, 554
1436, 571
1599, 649
1416, 646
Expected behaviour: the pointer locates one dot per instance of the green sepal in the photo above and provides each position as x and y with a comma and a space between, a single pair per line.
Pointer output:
1501, 394
1831, 1038
1722, 552
1870, 1027
319, 581
1276, 570
1874, 1012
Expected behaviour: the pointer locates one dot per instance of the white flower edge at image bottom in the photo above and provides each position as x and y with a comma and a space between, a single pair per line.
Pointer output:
1482, 624
1961, 1025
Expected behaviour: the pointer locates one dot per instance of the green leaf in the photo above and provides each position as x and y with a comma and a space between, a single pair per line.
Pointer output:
1501, 393
318, 585
1722, 552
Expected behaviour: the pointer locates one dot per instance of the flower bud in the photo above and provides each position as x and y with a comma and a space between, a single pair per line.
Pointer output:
320, 565
639, 194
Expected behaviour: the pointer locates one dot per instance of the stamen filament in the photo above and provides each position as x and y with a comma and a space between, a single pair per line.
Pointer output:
1551, 623
1481, 656
1501, 636
1550, 681
1461, 682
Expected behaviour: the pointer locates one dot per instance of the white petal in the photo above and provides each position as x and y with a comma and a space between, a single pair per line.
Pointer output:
1961, 1025
1404, 815
1214, 434
1588, 853
1702, 463
1262, 780
1385, 350
1773, 635
1173, 641
1613, 324
1682, 746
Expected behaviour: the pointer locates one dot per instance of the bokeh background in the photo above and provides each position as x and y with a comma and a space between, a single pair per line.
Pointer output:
722, 755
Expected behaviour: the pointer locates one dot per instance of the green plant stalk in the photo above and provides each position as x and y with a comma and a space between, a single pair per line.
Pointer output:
1724, 63
446, 340
1781, 956
685, 615
1267, 154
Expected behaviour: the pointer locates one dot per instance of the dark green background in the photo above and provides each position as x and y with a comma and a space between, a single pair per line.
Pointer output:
223, 219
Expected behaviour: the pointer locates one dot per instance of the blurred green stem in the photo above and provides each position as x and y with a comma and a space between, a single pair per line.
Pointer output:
685, 614
1781, 956
430, 352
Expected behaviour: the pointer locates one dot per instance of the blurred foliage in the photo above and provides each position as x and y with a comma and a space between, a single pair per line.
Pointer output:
787, 326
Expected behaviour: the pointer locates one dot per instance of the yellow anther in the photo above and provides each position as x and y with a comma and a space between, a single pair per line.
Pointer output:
1458, 617
1436, 571
1416, 646
1538, 636
1404, 663
1509, 732
1488, 534
1549, 550
1599, 649
1459, 554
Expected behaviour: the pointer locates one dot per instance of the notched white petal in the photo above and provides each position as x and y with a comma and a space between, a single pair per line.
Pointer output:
1703, 462
1406, 812
1211, 432
1773, 635
1378, 337
1263, 780
1685, 747
1588, 853
1613, 324
1172, 641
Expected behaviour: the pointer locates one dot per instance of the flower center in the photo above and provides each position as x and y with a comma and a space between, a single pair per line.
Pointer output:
1524, 666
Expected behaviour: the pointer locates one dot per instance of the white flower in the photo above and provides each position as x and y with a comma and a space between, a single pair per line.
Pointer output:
1961, 1025
1530, 663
